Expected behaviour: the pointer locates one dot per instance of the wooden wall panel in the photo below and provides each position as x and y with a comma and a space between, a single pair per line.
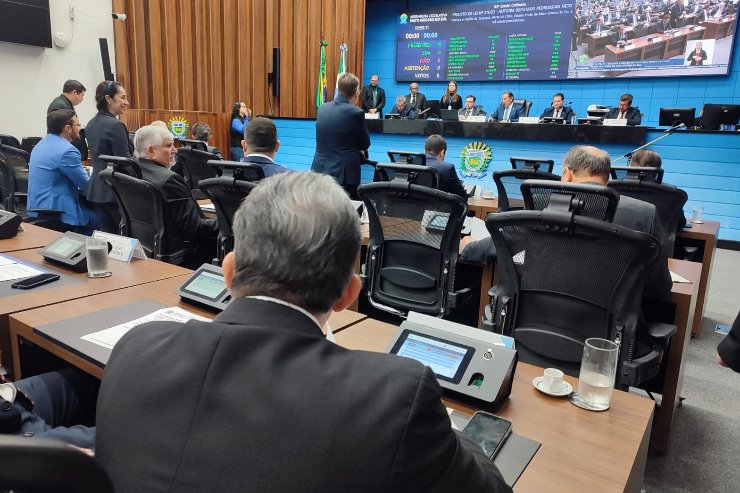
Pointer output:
202, 55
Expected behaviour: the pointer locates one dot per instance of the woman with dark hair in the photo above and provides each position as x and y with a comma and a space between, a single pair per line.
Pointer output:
451, 100
107, 135
697, 56
240, 116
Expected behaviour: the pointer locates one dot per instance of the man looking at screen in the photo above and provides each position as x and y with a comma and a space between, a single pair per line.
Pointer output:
507, 111
626, 110
557, 110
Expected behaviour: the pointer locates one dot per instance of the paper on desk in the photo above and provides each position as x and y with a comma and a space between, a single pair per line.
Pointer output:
676, 278
5, 260
11, 270
109, 337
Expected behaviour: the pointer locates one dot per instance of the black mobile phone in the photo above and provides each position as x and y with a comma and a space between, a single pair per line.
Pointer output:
488, 431
32, 282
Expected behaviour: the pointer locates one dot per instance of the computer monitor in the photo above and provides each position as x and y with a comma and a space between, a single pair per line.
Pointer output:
670, 117
449, 115
406, 157
714, 115
392, 116
533, 163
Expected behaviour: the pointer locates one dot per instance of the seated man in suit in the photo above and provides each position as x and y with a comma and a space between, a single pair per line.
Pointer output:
416, 99
260, 145
598, 26
587, 164
184, 221
619, 37
202, 131
56, 177
664, 24
626, 110
262, 401
507, 111
435, 148
557, 110
470, 109
403, 110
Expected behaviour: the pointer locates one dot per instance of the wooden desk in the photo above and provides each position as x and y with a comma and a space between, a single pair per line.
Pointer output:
597, 43
718, 28
581, 450
481, 207
22, 324
124, 276
707, 234
30, 238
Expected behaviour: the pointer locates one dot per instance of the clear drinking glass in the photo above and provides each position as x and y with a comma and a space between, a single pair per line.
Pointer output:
598, 370
97, 257
697, 211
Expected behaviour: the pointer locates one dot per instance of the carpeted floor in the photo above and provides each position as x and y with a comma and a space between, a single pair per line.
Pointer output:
705, 442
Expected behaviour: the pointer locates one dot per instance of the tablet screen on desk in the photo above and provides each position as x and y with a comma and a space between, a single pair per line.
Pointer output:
207, 285
64, 246
447, 360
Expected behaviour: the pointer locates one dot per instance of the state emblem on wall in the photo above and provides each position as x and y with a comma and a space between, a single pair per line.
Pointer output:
179, 126
474, 159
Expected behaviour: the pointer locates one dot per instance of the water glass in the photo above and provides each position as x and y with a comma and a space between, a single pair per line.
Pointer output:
697, 212
97, 257
598, 370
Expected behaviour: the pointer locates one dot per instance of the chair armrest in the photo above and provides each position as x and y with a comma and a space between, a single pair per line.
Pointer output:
458, 298
660, 330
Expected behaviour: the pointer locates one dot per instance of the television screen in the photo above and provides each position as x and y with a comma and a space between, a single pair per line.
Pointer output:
551, 39
25, 22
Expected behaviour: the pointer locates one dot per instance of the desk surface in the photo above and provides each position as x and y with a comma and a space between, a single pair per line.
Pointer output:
30, 238
164, 292
581, 450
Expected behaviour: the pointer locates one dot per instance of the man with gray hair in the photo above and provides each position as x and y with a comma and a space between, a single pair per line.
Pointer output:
258, 399
155, 151
202, 131
402, 109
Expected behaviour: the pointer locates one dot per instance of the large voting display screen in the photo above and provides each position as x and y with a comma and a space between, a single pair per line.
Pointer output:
551, 40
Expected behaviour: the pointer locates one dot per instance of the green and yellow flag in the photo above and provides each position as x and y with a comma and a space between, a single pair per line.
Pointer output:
321, 92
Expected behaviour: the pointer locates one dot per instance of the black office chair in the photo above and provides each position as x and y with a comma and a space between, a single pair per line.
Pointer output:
194, 144
508, 184
598, 202
126, 165
9, 140
195, 168
654, 175
561, 279
527, 105
40, 466
14, 169
533, 163
408, 173
237, 169
418, 158
668, 201
143, 216
227, 195
28, 143
413, 248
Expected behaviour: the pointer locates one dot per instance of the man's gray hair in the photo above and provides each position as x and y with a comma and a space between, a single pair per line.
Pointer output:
296, 238
150, 135
588, 161
400, 99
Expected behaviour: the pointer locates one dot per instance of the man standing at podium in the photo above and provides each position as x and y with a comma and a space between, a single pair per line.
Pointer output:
373, 97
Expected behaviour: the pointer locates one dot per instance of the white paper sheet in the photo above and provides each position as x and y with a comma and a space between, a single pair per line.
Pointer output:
676, 278
10, 270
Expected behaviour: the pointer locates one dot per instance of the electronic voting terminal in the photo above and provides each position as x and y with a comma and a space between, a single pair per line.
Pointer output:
206, 287
471, 364
68, 250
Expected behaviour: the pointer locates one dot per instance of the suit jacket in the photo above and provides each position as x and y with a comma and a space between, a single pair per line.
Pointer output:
265, 403
617, 37
184, 221
408, 112
456, 103
105, 135
341, 134
61, 102
55, 179
269, 166
663, 26
367, 99
631, 213
421, 101
448, 180
633, 115
729, 348
476, 111
517, 110
566, 113
214, 150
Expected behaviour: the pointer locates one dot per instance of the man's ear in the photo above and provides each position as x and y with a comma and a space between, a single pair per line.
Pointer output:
244, 146
228, 266
277, 146
567, 175
349, 295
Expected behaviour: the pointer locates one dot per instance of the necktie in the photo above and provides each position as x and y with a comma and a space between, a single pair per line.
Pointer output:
621, 115
557, 114
413, 101
375, 97
506, 113
468, 113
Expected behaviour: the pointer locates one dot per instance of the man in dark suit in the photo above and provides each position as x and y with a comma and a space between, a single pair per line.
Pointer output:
373, 97
625, 110
470, 108
507, 111
416, 99
598, 26
587, 164
403, 110
664, 24
263, 401
260, 145
435, 148
73, 93
619, 37
341, 136
202, 131
184, 221
557, 110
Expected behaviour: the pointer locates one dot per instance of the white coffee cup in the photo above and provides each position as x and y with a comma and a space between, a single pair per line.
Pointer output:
552, 380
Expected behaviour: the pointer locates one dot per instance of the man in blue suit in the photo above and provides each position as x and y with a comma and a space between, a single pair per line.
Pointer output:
56, 175
435, 148
507, 111
260, 145
341, 136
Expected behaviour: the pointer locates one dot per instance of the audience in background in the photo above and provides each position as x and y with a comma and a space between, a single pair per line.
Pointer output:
260, 145
107, 135
240, 116
202, 131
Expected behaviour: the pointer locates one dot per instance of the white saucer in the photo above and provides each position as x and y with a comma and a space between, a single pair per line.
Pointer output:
565, 388
491, 197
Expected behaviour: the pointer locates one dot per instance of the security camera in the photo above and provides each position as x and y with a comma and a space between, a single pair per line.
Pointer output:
120, 17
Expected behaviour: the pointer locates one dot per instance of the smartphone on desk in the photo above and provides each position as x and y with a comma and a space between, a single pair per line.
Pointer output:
32, 282
488, 431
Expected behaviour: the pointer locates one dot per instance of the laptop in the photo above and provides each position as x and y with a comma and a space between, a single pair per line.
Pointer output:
449, 115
